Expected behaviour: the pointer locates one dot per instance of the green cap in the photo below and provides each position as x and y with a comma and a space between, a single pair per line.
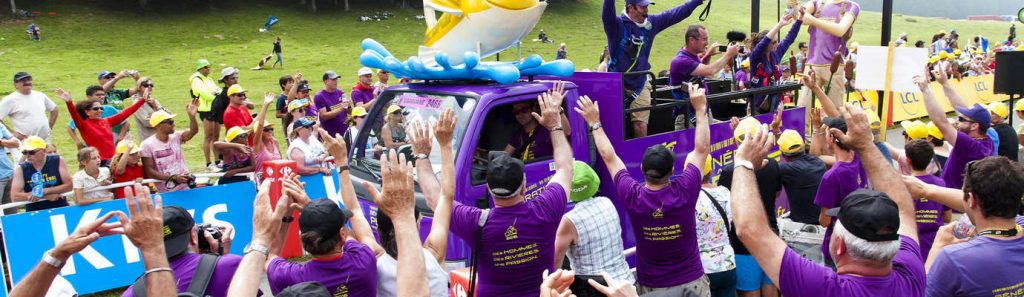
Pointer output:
202, 63
584, 182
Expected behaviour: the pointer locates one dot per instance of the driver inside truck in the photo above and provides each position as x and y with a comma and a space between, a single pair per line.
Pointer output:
530, 141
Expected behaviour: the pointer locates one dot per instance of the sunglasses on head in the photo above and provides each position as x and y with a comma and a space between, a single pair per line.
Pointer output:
147, 85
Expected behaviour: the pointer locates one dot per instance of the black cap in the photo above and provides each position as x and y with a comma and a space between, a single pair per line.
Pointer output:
658, 162
305, 289
303, 87
178, 225
330, 74
869, 215
324, 217
504, 175
836, 122
21, 75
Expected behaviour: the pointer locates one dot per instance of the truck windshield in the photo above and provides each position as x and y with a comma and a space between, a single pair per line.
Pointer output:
399, 110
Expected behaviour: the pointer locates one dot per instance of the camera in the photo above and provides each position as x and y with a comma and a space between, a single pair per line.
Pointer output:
723, 48
204, 246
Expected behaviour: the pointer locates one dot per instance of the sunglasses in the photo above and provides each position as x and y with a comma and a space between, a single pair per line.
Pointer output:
147, 85
29, 153
241, 95
268, 129
97, 108
522, 110
169, 122
360, 117
963, 119
304, 91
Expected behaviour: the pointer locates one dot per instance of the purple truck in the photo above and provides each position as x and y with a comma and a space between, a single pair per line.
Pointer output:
486, 123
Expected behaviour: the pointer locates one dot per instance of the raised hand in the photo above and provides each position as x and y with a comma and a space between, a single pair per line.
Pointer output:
269, 98
193, 107
815, 116
697, 97
144, 226
756, 146
296, 191
444, 129
916, 187
420, 138
266, 221
62, 94
940, 73
858, 133
557, 92
335, 146
550, 110
85, 235
588, 109
397, 185
557, 284
615, 287
777, 118
808, 80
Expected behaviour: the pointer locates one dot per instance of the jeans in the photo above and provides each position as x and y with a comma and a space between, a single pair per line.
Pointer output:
723, 284
279, 60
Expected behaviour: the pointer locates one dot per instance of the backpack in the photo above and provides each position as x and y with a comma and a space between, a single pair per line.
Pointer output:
200, 279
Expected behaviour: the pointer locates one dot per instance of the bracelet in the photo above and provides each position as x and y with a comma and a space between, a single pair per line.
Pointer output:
161, 269
342, 168
559, 128
287, 219
818, 132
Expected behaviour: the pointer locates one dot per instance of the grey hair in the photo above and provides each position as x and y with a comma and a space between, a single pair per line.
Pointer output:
881, 251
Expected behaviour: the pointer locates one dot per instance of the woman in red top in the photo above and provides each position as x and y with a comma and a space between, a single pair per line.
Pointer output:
127, 165
94, 128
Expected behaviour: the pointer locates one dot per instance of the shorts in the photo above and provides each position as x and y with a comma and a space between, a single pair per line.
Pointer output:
699, 287
749, 276
821, 74
207, 116
642, 100
804, 239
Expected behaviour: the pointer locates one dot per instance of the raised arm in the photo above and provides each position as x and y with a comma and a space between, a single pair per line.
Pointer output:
935, 112
398, 203
564, 237
38, 280
265, 225
257, 131
702, 134
835, 29
589, 111
145, 230
437, 240
610, 20
551, 108
952, 198
947, 88
786, 42
336, 146
193, 125
749, 217
75, 117
710, 69
674, 15
882, 175
827, 106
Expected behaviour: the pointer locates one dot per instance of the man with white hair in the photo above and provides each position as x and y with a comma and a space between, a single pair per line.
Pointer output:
875, 240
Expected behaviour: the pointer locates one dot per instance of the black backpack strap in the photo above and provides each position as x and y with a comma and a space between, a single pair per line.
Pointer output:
721, 210
204, 272
474, 258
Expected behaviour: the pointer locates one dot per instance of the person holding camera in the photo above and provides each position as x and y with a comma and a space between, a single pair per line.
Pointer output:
687, 65
162, 156
197, 254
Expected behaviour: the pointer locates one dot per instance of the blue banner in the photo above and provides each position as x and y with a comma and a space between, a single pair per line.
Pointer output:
112, 261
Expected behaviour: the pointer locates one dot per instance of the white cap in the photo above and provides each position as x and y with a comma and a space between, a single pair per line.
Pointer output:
364, 71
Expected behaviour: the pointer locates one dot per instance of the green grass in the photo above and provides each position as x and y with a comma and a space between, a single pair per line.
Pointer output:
80, 40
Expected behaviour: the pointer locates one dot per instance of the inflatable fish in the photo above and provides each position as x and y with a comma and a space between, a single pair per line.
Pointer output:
484, 27
376, 56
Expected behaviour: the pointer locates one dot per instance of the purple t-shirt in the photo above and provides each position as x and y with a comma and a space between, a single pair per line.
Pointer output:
929, 216
742, 77
822, 44
362, 95
332, 101
966, 149
518, 242
185, 265
664, 224
630, 45
841, 180
983, 266
681, 67
352, 274
529, 146
801, 277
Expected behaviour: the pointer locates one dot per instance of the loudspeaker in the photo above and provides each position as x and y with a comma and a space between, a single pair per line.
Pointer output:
1009, 73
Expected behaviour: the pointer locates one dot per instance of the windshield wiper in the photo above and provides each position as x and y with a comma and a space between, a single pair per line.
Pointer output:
361, 163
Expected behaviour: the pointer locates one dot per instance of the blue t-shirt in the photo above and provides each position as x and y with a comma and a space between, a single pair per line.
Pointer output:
6, 167
994, 136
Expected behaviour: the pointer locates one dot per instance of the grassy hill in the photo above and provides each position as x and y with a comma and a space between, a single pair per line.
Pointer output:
80, 40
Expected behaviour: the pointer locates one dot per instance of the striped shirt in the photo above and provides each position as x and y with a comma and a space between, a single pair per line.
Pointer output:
599, 247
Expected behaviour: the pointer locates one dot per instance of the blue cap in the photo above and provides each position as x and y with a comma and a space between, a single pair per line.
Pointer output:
639, 2
977, 112
103, 74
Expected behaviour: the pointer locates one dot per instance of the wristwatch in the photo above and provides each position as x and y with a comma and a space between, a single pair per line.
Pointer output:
595, 126
421, 157
744, 164
256, 247
50, 260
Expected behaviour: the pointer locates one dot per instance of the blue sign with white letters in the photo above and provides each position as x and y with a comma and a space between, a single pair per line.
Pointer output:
112, 261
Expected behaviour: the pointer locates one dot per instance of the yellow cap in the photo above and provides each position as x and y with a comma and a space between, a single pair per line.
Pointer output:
234, 132
747, 125
943, 55
873, 120
933, 130
359, 111
296, 104
160, 116
745, 64
393, 108
790, 142
998, 108
957, 52
33, 143
235, 89
1021, 47
122, 146
915, 129
707, 164
1019, 106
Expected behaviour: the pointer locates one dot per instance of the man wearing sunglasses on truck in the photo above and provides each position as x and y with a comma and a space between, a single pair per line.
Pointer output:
968, 136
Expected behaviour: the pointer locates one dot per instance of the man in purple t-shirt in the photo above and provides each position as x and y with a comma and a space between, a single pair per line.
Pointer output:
362, 91
991, 262
930, 214
630, 38
661, 209
968, 136
845, 176
830, 24
340, 262
332, 104
687, 65
515, 241
875, 243
182, 246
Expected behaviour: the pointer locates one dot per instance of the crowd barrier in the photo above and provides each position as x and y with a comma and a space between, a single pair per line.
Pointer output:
909, 106
112, 261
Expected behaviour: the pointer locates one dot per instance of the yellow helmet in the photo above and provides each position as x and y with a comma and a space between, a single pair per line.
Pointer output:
998, 108
790, 142
122, 147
